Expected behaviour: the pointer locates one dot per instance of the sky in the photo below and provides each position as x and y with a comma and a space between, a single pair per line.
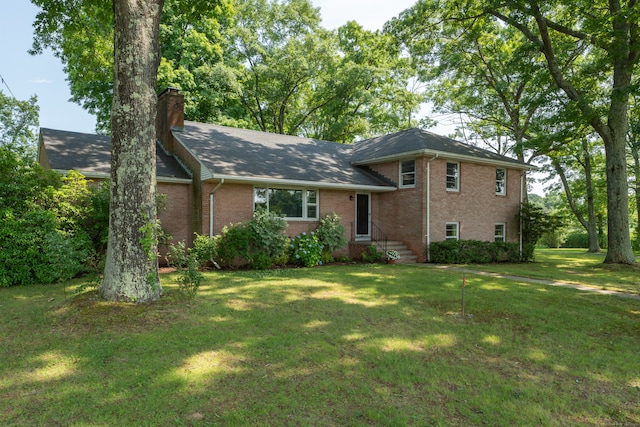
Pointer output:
25, 75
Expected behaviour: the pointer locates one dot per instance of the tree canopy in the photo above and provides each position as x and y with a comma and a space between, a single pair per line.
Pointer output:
18, 122
261, 64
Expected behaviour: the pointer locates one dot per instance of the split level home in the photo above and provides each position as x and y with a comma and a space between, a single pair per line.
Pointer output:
408, 188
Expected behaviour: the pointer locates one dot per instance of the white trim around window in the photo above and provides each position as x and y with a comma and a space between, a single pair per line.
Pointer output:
290, 203
452, 231
407, 169
501, 181
500, 232
453, 176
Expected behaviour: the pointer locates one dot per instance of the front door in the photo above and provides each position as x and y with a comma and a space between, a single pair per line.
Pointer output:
363, 217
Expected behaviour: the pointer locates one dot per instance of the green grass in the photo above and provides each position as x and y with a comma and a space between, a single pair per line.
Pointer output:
351, 345
573, 266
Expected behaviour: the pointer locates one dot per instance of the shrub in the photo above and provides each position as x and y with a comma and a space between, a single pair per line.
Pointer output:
32, 250
306, 249
371, 254
259, 242
233, 245
177, 255
331, 234
204, 249
577, 239
190, 276
535, 222
473, 252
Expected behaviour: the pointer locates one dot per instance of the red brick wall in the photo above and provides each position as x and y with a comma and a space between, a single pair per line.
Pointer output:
233, 203
475, 206
402, 214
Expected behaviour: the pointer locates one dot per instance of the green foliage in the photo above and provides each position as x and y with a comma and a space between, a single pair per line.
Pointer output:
66, 256
18, 123
371, 254
204, 249
473, 252
331, 234
232, 248
33, 250
260, 242
188, 264
24, 185
190, 277
267, 232
535, 222
42, 234
306, 249
261, 64
576, 239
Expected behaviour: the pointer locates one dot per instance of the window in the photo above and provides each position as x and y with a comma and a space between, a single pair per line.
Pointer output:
451, 232
501, 181
500, 233
453, 177
407, 173
289, 203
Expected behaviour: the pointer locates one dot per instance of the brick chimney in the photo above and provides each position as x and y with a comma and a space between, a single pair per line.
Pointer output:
170, 114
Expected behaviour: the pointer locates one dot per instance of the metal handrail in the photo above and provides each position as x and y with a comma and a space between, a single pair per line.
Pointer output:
379, 237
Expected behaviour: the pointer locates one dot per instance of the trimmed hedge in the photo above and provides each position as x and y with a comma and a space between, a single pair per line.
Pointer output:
473, 252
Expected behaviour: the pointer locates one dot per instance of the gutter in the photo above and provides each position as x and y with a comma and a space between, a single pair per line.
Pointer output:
281, 182
428, 185
508, 163
523, 183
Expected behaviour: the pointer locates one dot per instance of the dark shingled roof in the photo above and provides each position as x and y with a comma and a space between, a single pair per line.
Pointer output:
242, 153
91, 154
250, 155
414, 141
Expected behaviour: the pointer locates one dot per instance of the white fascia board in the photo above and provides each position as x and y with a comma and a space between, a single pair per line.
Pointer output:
279, 182
446, 155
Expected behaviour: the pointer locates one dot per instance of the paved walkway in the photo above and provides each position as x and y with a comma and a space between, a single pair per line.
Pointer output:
537, 281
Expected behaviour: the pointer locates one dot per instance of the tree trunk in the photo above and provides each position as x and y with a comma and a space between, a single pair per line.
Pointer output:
592, 230
131, 271
619, 239
590, 223
636, 169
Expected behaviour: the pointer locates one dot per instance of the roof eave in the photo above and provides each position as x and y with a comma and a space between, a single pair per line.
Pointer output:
444, 154
280, 182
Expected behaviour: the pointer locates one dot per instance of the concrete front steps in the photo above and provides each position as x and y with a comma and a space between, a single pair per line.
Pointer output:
406, 256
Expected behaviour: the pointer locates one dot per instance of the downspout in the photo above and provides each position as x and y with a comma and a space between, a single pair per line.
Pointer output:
522, 190
428, 185
211, 207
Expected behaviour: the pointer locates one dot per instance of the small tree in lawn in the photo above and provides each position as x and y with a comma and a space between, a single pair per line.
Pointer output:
535, 223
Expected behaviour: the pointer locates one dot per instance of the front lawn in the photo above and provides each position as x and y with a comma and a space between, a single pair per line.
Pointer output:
573, 266
350, 345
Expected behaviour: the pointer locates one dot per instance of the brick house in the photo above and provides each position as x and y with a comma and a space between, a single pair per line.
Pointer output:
411, 187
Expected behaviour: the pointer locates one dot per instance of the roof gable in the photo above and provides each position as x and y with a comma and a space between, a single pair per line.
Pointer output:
90, 154
421, 142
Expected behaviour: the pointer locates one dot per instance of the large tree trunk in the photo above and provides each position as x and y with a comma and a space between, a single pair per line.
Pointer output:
619, 240
131, 271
